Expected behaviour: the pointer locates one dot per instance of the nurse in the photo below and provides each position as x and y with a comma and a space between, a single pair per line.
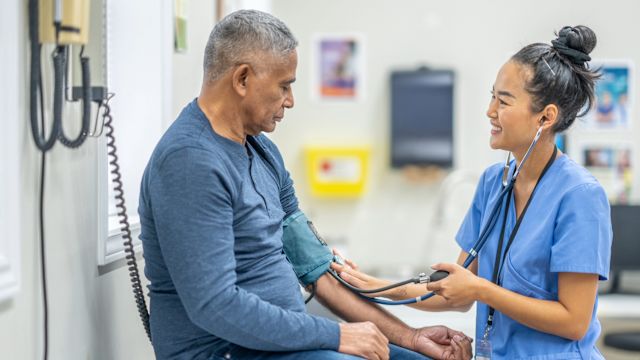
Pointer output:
536, 278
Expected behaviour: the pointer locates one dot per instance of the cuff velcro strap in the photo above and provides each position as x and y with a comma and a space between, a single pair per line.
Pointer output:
305, 250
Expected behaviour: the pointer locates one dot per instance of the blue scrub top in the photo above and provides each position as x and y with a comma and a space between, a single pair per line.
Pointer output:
567, 228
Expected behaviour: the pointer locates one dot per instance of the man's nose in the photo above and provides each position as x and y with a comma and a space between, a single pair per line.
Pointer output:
289, 101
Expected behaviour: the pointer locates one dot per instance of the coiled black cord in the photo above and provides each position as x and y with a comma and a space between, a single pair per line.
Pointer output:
37, 121
132, 264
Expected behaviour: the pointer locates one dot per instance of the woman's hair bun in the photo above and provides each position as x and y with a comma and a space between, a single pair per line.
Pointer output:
575, 43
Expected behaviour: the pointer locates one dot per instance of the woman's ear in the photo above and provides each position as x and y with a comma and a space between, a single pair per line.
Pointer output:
239, 79
549, 116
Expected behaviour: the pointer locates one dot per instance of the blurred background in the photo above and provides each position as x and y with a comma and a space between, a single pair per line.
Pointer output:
385, 144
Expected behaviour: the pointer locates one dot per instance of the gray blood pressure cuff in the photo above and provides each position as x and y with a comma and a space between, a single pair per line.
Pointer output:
305, 249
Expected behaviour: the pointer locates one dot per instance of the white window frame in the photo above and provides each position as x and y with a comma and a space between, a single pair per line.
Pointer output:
10, 71
110, 241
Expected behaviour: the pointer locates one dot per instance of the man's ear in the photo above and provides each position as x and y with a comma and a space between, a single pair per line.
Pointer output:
549, 116
240, 78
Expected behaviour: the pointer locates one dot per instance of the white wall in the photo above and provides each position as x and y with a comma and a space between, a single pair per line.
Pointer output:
9, 164
187, 74
92, 314
390, 226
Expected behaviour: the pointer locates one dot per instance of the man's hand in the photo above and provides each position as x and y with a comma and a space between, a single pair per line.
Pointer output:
440, 342
363, 339
461, 348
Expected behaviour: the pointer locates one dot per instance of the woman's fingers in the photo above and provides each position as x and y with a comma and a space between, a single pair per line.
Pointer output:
352, 264
446, 267
348, 262
337, 267
342, 269
351, 276
363, 277
434, 286
354, 280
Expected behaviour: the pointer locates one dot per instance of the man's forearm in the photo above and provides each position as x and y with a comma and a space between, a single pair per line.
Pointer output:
348, 306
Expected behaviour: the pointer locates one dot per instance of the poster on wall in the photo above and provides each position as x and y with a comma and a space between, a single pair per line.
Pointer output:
338, 67
180, 26
611, 165
612, 109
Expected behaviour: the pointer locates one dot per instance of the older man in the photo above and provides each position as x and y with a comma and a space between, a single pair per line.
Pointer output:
213, 199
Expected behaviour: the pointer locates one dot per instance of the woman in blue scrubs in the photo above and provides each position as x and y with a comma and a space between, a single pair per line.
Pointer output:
536, 278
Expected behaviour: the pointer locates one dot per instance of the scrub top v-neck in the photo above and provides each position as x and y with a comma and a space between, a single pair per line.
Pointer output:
567, 229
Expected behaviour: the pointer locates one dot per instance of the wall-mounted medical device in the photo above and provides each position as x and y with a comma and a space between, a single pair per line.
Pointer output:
422, 117
62, 23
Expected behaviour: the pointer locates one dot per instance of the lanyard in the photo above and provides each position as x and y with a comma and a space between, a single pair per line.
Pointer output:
500, 257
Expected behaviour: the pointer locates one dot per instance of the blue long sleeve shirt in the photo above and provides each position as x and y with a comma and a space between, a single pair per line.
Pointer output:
211, 212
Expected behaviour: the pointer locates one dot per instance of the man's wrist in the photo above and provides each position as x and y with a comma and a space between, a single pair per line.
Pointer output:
411, 340
402, 335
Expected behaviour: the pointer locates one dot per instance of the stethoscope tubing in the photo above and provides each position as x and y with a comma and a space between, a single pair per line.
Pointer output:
382, 301
507, 186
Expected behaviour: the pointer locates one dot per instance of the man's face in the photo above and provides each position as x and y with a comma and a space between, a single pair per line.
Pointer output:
269, 92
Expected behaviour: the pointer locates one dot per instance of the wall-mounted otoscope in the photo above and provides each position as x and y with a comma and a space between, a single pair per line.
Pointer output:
63, 23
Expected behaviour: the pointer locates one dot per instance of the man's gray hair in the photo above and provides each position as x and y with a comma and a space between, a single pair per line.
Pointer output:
241, 37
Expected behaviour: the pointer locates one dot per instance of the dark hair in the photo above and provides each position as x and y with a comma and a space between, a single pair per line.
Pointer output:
560, 74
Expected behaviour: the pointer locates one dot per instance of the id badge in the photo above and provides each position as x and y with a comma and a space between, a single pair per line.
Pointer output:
483, 349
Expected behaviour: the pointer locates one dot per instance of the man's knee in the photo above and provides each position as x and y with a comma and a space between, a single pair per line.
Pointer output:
333, 355
245, 354
400, 353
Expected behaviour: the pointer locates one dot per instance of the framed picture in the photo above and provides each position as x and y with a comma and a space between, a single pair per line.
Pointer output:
612, 166
337, 72
180, 26
614, 94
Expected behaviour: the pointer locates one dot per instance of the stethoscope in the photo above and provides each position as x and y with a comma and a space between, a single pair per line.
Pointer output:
422, 278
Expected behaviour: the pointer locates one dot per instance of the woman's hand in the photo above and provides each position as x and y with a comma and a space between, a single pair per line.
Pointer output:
460, 288
349, 272
349, 263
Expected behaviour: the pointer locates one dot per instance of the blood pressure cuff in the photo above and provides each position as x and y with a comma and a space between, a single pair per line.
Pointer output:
305, 249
